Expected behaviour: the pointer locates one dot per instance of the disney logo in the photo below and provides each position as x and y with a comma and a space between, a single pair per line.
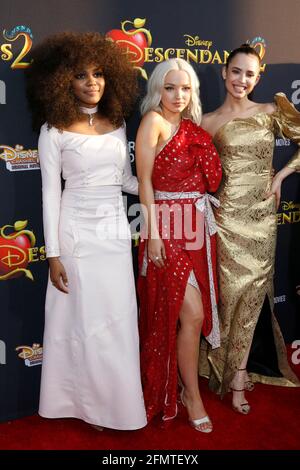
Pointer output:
196, 41
9, 154
28, 352
289, 205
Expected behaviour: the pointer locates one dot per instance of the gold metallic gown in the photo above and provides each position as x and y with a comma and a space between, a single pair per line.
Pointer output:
246, 242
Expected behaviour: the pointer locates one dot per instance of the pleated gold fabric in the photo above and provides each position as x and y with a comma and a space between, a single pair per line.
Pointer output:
246, 240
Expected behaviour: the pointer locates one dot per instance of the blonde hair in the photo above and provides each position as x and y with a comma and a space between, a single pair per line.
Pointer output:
151, 101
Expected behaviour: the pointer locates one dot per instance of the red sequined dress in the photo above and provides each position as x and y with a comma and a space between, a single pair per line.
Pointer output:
184, 170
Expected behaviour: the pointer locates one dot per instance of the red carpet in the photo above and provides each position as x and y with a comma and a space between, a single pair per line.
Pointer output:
273, 423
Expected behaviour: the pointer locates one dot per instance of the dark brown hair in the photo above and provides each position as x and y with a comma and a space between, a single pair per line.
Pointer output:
55, 62
243, 49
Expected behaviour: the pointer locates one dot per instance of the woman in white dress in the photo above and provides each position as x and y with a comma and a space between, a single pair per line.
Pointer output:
81, 86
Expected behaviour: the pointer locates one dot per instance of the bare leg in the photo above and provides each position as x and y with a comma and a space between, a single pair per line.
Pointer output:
188, 339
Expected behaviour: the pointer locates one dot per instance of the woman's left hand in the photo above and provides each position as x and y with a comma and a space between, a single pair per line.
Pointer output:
275, 189
276, 183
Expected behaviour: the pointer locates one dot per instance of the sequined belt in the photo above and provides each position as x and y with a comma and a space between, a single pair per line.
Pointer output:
203, 203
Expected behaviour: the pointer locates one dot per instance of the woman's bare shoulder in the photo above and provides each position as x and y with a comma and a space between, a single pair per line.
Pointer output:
150, 127
210, 115
209, 119
268, 108
152, 118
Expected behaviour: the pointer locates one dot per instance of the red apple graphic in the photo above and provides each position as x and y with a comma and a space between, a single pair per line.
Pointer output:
134, 44
14, 254
14, 250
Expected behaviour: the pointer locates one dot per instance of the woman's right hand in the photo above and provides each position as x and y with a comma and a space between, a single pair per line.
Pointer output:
157, 252
58, 275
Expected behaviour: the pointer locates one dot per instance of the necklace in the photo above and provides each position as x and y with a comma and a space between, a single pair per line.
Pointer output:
90, 112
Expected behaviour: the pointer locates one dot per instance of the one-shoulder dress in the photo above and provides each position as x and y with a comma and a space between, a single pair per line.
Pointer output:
246, 250
184, 171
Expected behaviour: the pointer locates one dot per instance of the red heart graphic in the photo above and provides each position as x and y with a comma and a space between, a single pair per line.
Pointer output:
14, 254
134, 45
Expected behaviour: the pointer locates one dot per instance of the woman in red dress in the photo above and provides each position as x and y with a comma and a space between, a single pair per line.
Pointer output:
177, 164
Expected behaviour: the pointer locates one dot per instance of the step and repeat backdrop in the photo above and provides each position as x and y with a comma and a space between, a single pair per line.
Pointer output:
199, 31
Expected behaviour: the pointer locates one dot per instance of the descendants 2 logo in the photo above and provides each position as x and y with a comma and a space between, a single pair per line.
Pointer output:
137, 41
22, 36
17, 250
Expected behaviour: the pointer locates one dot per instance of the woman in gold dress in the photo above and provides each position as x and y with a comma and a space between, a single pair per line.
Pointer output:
244, 134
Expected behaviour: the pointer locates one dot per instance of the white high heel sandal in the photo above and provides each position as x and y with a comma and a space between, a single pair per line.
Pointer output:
196, 423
